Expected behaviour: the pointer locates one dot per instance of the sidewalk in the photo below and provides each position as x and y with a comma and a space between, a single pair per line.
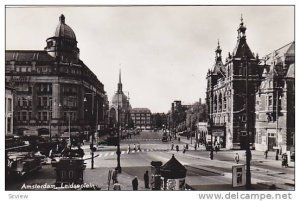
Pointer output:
99, 177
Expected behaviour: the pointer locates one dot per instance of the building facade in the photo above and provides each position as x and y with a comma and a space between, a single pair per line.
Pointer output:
247, 97
9, 110
55, 91
275, 101
141, 118
119, 111
227, 96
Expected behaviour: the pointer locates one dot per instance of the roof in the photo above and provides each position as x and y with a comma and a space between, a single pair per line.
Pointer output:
291, 71
173, 169
242, 49
287, 50
63, 30
27, 55
140, 110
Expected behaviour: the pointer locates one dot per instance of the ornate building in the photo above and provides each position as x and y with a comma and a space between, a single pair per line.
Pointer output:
55, 90
141, 118
275, 101
226, 93
120, 106
246, 91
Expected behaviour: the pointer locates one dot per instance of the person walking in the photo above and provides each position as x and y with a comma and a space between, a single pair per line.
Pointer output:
177, 148
184, 149
172, 146
266, 154
128, 149
139, 147
115, 176
134, 147
135, 183
195, 146
146, 179
237, 158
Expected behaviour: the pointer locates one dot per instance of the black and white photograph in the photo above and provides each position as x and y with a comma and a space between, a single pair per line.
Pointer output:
149, 98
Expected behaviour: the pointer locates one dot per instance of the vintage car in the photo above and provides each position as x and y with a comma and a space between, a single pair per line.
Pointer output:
22, 163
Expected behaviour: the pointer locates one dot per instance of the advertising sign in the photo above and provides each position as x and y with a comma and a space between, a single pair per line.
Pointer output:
238, 175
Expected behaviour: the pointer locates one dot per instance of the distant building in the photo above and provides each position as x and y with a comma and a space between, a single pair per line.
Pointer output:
141, 118
53, 87
120, 106
275, 101
9, 110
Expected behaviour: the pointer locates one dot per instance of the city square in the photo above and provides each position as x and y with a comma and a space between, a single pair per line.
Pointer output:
74, 123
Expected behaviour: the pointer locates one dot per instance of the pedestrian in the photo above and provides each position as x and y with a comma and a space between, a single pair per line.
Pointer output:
266, 154
128, 149
135, 183
187, 146
116, 186
177, 148
184, 149
216, 149
195, 146
115, 175
139, 147
172, 146
211, 154
178, 139
237, 158
134, 147
146, 179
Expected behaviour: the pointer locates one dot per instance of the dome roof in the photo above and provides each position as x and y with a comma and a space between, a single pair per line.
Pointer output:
63, 30
122, 99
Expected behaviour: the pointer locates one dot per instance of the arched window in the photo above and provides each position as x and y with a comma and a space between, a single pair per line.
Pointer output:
220, 103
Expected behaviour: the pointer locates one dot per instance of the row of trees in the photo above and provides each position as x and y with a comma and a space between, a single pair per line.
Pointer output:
183, 118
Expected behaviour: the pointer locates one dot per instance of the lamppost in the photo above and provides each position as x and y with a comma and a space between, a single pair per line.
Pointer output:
277, 119
191, 126
93, 134
248, 151
50, 119
119, 169
211, 118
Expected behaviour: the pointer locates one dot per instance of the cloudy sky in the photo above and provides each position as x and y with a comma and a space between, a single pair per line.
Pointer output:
164, 52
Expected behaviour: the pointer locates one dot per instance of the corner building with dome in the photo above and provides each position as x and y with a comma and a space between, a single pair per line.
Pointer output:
54, 89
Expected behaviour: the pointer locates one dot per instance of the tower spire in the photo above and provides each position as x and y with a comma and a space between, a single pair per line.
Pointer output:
120, 76
242, 29
218, 52
120, 82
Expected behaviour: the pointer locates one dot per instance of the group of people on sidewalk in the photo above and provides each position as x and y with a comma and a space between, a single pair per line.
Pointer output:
113, 175
135, 148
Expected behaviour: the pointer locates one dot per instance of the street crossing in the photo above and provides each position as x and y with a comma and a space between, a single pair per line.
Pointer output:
112, 153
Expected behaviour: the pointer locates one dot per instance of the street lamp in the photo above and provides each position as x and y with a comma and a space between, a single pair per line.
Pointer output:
119, 169
93, 135
277, 119
248, 151
191, 124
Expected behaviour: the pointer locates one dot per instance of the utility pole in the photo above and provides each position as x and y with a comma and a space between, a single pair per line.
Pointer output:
248, 151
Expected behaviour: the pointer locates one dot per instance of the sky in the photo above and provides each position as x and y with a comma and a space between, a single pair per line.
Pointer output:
164, 52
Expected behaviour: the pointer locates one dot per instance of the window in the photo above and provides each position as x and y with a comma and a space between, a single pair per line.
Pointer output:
24, 101
29, 115
24, 116
270, 100
39, 116
45, 116
19, 102
8, 124
9, 104
45, 101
